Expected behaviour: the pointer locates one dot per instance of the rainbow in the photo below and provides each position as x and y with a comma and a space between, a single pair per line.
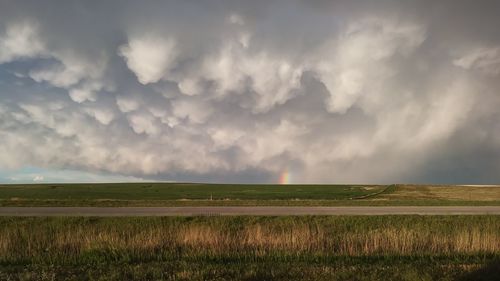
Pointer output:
285, 177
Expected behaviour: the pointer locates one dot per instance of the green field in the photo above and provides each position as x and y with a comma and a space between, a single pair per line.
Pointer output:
175, 193
251, 248
192, 194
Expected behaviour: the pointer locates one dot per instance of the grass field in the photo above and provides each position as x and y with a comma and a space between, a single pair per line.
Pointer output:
190, 194
251, 248
174, 193
443, 192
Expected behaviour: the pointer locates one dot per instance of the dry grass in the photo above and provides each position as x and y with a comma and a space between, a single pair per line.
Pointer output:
250, 248
444, 192
67, 240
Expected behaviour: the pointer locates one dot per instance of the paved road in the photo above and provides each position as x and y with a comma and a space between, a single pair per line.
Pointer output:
234, 211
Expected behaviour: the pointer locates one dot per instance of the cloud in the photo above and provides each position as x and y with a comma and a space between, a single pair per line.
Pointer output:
143, 123
486, 60
104, 116
30, 175
334, 91
195, 110
20, 40
237, 69
150, 58
126, 104
361, 59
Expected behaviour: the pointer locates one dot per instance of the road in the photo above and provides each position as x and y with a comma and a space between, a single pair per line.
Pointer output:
257, 211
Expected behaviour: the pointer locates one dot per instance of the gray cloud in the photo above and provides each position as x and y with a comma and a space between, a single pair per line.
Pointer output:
240, 91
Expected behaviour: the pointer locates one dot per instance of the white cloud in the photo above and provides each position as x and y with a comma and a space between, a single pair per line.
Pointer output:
333, 95
126, 104
59, 75
103, 116
357, 64
20, 40
85, 92
226, 137
196, 110
68, 69
143, 124
150, 57
190, 87
271, 78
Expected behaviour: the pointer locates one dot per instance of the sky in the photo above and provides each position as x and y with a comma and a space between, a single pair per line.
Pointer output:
226, 91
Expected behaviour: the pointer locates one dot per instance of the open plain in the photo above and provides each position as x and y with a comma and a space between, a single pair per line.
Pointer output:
197, 194
168, 231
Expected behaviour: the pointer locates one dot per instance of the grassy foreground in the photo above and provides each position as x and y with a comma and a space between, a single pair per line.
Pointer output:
190, 194
251, 248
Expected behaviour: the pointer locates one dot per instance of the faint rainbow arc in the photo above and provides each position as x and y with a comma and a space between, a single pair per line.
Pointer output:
285, 177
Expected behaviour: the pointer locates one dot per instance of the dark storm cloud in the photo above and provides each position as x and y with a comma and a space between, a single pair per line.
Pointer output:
240, 91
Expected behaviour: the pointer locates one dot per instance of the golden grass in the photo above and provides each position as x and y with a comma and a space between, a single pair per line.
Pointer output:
257, 238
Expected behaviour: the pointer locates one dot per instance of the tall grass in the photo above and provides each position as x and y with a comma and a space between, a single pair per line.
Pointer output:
92, 240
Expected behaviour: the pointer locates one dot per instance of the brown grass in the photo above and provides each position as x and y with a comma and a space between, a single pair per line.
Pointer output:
444, 192
227, 235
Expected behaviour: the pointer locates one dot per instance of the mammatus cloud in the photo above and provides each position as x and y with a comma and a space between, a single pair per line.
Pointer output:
20, 40
150, 58
334, 91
